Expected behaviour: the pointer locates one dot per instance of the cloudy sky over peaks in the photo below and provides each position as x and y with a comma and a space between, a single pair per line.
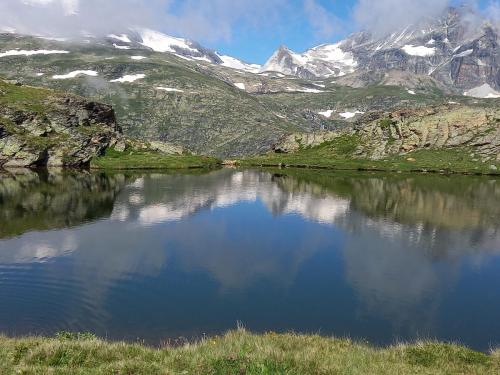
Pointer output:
249, 29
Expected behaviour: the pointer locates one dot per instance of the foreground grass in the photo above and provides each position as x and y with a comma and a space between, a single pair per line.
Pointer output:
239, 353
114, 160
339, 156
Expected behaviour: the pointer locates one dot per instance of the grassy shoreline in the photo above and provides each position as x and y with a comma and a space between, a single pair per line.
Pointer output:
330, 156
423, 161
239, 352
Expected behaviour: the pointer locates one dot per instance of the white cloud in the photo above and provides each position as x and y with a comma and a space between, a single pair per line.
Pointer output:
72, 17
384, 16
217, 20
493, 12
69, 7
324, 22
196, 19
494, 9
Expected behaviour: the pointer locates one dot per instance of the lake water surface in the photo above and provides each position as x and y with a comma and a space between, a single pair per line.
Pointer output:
155, 256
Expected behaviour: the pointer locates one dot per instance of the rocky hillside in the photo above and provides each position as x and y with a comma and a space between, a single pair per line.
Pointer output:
385, 134
40, 127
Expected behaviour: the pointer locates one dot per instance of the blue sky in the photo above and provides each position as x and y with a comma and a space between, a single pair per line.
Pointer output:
248, 29
257, 45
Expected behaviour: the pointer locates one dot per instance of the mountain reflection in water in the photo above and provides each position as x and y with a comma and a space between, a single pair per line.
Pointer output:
380, 257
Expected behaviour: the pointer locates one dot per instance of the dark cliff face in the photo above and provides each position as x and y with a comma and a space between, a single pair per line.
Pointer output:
480, 62
40, 127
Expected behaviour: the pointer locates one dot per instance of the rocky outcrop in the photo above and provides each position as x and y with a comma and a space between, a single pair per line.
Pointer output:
41, 127
405, 131
298, 141
399, 132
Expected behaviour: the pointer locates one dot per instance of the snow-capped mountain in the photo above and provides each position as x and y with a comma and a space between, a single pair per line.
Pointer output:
181, 47
322, 61
157, 42
449, 49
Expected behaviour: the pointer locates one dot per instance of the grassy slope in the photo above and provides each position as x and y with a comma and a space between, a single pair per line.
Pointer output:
338, 154
34, 99
239, 353
36, 102
24, 97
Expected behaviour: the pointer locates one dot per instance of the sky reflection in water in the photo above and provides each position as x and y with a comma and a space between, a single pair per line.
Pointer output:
157, 256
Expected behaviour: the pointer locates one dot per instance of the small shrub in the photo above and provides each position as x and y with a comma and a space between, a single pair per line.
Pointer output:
385, 123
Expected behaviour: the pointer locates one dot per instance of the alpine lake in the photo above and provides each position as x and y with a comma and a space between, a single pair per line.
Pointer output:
164, 257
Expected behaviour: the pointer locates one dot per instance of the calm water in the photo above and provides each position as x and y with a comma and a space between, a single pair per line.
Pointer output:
157, 256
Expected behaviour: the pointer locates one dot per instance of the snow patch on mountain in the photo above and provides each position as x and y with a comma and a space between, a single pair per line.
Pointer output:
484, 91
75, 74
234, 63
184, 57
201, 58
138, 57
117, 46
333, 53
129, 78
349, 115
160, 42
327, 113
240, 85
168, 89
53, 38
122, 38
421, 51
306, 90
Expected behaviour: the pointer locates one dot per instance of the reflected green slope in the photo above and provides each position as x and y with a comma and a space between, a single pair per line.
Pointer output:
452, 202
42, 201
